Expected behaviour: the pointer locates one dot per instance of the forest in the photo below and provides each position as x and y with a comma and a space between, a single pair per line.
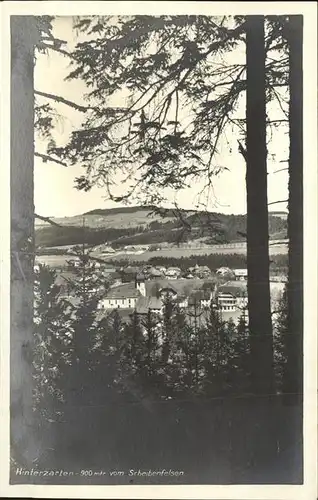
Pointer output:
174, 361
225, 229
213, 262
90, 383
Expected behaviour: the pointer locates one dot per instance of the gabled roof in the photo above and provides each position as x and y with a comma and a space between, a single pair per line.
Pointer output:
198, 295
224, 270
155, 272
125, 291
124, 314
116, 275
168, 286
235, 288
240, 271
130, 270
208, 285
199, 268
145, 303
140, 277
109, 269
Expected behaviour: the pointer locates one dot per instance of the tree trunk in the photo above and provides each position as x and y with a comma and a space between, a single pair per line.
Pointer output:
293, 377
259, 308
23, 441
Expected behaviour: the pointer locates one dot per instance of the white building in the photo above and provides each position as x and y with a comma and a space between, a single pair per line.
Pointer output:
240, 274
232, 296
124, 296
183, 301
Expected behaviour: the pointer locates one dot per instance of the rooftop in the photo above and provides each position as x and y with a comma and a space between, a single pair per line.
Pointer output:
140, 277
146, 303
240, 271
182, 286
198, 295
168, 286
130, 270
155, 272
125, 291
236, 288
124, 314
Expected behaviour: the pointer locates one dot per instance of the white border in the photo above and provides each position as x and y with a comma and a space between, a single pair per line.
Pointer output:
308, 491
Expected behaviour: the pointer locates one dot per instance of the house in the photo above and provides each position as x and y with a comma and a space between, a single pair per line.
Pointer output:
188, 276
107, 269
146, 269
240, 274
124, 296
182, 301
232, 296
136, 249
173, 272
124, 314
74, 262
211, 286
203, 272
140, 284
200, 298
154, 273
146, 304
107, 250
200, 271
120, 297
224, 271
129, 274
114, 278
167, 291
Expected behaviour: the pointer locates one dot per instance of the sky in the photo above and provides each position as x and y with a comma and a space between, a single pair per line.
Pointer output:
55, 195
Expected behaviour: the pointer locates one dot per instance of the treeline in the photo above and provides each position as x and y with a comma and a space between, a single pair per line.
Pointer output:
213, 261
154, 237
217, 228
185, 356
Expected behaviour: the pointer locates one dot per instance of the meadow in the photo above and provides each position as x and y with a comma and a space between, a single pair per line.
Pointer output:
174, 252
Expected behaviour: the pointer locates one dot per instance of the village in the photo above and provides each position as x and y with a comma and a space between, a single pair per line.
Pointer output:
146, 289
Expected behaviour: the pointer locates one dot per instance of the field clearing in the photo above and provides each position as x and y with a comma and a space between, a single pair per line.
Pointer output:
177, 253
60, 260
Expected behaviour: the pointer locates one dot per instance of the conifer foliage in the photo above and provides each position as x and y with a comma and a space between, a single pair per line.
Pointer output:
53, 337
85, 288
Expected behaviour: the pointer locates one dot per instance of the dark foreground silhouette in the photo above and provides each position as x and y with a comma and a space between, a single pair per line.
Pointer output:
247, 440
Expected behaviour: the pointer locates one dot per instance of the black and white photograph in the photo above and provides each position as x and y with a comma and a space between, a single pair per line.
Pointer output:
159, 308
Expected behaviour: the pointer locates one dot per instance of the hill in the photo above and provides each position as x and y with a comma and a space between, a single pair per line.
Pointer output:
124, 226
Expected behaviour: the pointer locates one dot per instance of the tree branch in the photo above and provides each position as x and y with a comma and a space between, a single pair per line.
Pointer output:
56, 98
280, 170
47, 158
242, 150
275, 202
47, 219
57, 49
